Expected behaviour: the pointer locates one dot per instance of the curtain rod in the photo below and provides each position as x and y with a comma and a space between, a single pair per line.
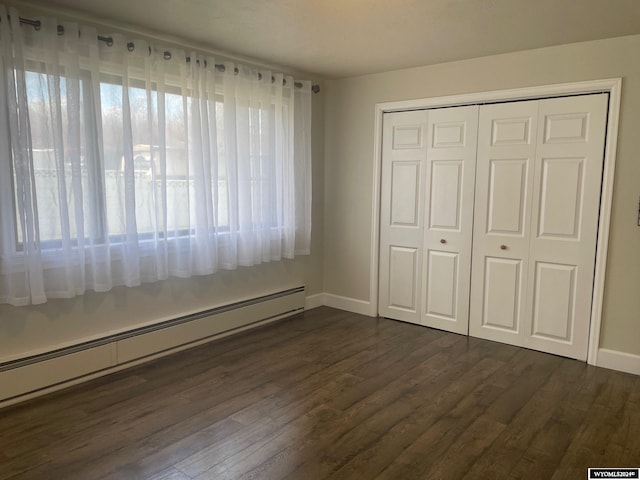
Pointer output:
167, 55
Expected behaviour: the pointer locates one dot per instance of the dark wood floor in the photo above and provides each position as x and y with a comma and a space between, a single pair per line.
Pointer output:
330, 394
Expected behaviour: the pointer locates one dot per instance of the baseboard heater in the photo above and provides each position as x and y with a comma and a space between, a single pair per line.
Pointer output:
39, 374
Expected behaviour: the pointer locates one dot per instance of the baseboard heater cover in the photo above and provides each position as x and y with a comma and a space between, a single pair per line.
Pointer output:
40, 372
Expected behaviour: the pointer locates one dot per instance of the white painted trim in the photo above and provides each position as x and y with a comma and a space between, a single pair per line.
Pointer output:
350, 304
375, 213
621, 361
556, 90
314, 301
606, 199
611, 85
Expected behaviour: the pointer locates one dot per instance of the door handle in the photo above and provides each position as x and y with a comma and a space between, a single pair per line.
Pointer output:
442, 240
503, 247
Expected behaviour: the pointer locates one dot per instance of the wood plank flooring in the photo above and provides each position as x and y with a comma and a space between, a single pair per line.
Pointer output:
330, 394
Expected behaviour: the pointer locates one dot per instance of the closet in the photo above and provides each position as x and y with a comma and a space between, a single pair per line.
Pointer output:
489, 219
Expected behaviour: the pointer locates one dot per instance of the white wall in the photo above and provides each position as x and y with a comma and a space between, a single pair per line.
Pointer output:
349, 144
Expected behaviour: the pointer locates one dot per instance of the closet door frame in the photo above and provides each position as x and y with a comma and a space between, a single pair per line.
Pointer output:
611, 86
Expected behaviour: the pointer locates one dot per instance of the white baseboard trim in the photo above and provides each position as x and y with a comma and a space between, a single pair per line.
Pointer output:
314, 301
350, 304
621, 361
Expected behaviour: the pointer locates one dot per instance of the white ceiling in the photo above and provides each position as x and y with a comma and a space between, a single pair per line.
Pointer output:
338, 38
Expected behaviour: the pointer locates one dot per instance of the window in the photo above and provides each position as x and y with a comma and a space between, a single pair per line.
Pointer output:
126, 163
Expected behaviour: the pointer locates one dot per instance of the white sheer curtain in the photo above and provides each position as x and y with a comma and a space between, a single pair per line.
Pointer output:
123, 162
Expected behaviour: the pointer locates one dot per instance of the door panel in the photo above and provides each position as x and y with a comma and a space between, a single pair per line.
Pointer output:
567, 182
511, 131
501, 299
442, 277
445, 192
447, 133
506, 152
560, 201
405, 182
403, 270
450, 171
566, 128
407, 136
402, 214
554, 301
507, 179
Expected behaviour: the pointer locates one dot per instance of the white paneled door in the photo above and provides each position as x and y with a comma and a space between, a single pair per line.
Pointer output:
564, 223
489, 219
506, 154
448, 225
428, 174
539, 171
404, 152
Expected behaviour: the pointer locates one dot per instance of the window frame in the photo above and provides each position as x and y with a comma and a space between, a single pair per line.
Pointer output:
97, 169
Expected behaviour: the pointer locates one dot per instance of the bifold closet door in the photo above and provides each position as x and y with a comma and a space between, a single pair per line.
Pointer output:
504, 166
428, 174
404, 151
565, 211
538, 182
448, 225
